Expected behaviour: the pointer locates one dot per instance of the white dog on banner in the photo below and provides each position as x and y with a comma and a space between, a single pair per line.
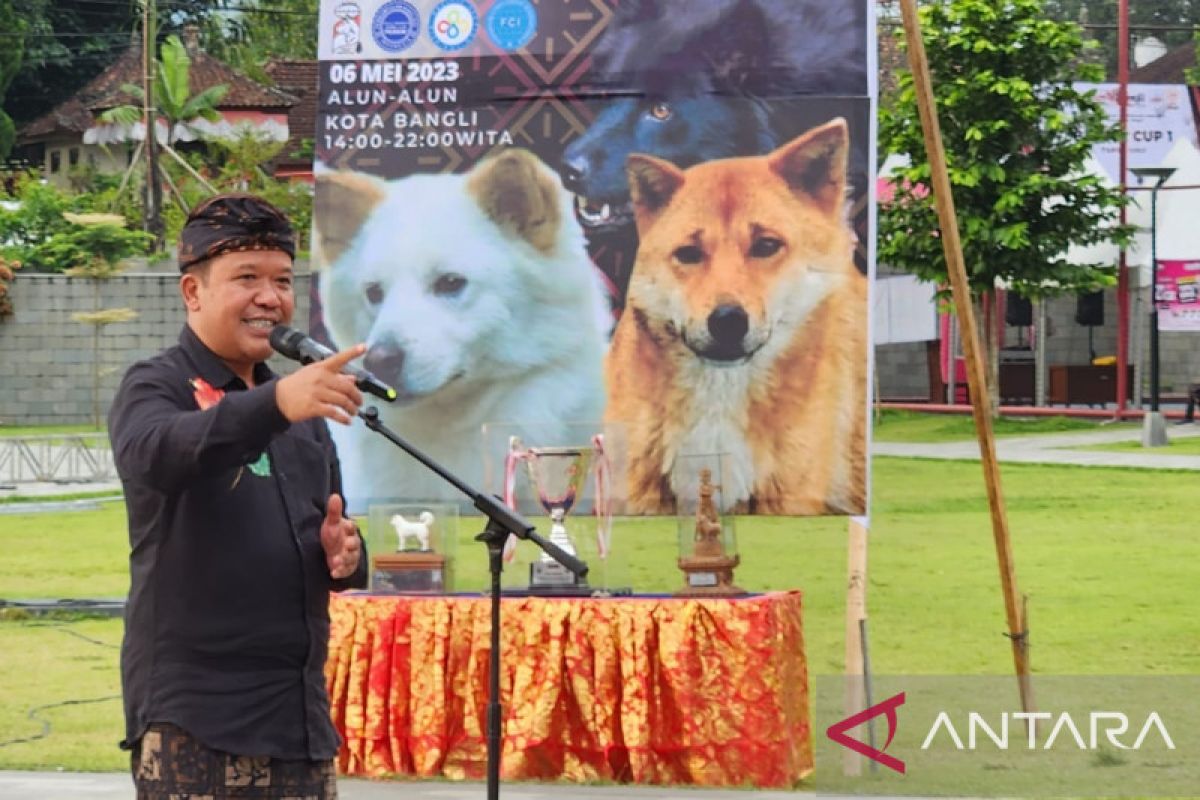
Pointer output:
477, 301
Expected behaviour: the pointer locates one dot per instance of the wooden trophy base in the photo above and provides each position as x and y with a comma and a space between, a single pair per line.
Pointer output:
551, 579
709, 576
409, 572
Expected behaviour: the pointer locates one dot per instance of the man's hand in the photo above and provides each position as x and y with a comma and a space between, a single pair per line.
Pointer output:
340, 540
320, 389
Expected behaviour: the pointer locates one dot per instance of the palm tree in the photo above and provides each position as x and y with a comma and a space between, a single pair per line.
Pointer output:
173, 99
244, 153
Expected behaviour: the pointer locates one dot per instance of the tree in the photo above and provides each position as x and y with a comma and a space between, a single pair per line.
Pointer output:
174, 101
1170, 21
261, 31
65, 45
8, 269
69, 42
173, 98
1017, 136
242, 157
104, 242
10, 63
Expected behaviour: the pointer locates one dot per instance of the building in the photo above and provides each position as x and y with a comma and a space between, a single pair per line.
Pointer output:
71, 135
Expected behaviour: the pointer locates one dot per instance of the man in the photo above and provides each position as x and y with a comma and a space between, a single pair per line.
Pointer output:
233, 492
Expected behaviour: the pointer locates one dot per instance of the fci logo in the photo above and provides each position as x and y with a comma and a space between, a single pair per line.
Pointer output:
837, 732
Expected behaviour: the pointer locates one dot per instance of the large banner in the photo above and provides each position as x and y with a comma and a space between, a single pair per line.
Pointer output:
1177, 295
1159, 116
649, 218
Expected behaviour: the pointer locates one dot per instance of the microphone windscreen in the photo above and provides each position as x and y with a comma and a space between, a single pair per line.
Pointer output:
286, 341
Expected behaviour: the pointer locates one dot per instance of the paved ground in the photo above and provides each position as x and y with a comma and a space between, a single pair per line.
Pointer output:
118, 786
1059, 449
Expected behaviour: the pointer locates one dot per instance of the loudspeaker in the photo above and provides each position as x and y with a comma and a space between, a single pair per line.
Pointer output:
1018, 310
1089, 309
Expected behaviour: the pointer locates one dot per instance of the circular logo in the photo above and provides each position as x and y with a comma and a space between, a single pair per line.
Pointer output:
453, 24
511, 24
396, 25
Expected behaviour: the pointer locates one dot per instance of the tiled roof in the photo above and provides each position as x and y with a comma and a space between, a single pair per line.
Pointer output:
299, 79
1169, 68
103, 92
74, 114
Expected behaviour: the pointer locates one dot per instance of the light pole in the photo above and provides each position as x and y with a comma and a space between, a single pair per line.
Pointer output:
1154, 431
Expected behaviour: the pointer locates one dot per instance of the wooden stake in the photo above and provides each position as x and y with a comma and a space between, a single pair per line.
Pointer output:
980, 401
856, 611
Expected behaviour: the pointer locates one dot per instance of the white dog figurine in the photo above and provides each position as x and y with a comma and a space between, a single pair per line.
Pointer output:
419, 530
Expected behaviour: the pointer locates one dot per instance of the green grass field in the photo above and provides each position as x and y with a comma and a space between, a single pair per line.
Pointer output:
892, 425
1108, 558
46, 430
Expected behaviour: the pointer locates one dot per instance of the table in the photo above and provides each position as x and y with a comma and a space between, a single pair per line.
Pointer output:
1071, 384
651, 690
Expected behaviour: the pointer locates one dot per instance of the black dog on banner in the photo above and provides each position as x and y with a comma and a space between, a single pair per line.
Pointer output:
689, 81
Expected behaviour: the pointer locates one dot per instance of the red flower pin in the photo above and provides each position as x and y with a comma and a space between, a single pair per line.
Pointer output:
206, 396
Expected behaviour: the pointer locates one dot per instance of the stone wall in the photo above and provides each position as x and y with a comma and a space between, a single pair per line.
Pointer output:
47, 358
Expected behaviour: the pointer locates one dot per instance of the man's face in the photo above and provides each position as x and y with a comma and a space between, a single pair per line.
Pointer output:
233, 304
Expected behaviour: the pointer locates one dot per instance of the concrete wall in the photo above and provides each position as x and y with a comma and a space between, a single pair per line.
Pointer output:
47, 358
902, 367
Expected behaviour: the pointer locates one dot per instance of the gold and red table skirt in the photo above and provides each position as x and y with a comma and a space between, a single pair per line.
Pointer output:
649, 690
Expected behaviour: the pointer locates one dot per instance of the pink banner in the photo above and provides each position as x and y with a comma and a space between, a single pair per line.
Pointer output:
1177, 295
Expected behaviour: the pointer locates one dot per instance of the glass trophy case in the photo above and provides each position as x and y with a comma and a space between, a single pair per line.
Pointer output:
562, 479
708, 551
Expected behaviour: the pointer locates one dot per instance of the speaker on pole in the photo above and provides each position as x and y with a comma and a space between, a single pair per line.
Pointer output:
1089, 309
1018, 311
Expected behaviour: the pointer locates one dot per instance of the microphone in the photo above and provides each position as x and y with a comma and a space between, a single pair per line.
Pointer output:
293, 344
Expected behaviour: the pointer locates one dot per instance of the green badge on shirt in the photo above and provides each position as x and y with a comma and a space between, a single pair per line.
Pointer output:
262, 467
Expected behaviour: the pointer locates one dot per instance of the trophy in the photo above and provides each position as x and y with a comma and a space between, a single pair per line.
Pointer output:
706, 558
557, 475
408, 546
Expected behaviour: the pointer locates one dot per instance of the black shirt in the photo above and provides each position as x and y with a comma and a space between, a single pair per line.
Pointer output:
227, 621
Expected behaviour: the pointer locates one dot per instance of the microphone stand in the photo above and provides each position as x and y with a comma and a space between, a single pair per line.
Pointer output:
502, 521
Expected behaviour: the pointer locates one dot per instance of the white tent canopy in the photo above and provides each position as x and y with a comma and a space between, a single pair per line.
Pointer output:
1178, 214
1101, 252
267, 127
1178, 211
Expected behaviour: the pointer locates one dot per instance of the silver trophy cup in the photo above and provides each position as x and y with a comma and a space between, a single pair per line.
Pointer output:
557, 475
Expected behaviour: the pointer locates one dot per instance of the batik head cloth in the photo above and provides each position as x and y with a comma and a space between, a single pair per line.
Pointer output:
229, 223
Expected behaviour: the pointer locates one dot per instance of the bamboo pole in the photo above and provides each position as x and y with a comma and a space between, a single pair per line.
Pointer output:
137, 153
980, 400
178, 195
188, 167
